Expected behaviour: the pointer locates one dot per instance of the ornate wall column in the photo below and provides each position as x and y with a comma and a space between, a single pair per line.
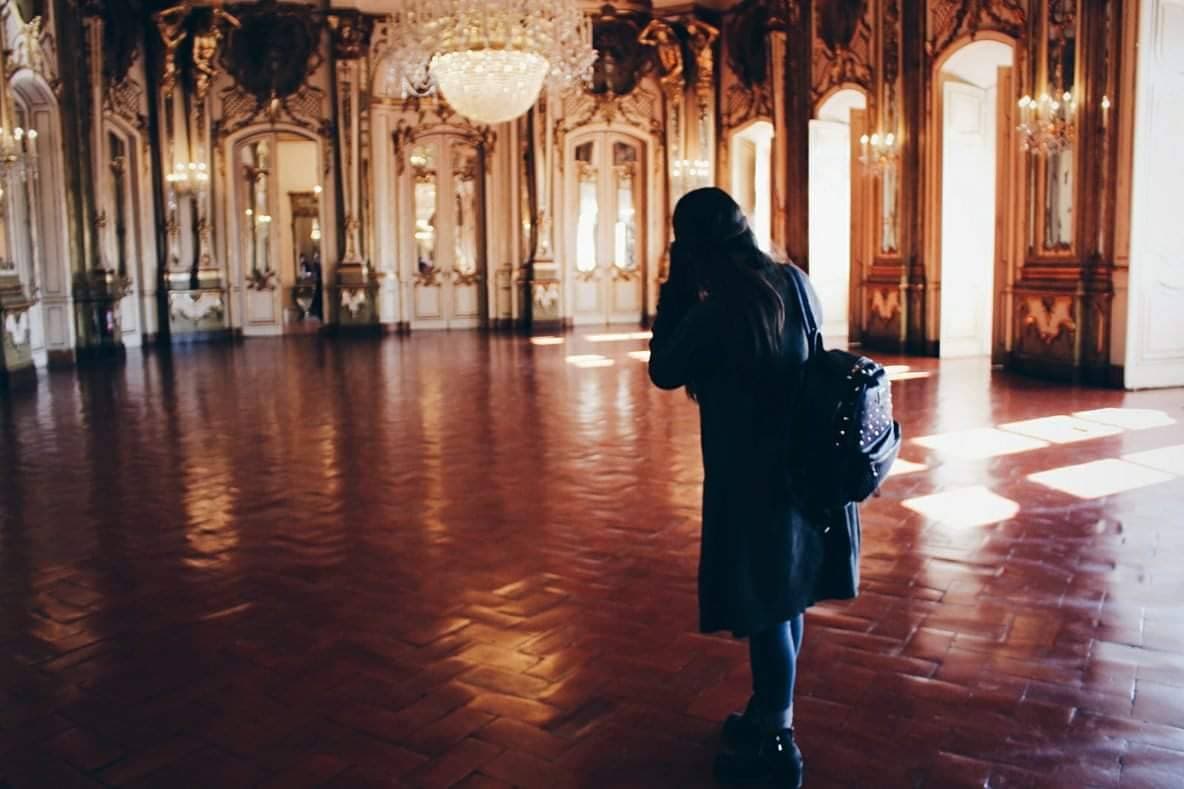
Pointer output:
1063, 295
356, 300
795, 132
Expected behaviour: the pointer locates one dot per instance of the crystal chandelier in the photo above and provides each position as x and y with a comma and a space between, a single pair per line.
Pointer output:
490, 58
1047, 125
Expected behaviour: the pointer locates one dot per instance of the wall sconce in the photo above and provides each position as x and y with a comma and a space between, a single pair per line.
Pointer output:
1048, 125
878, 152
689, 174
190, 178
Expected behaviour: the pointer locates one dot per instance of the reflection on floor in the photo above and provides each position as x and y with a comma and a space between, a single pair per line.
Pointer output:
461, 559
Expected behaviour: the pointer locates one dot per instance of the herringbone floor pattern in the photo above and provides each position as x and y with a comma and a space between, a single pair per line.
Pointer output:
457, 560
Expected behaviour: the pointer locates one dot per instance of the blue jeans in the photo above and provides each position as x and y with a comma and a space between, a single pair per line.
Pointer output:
773, 654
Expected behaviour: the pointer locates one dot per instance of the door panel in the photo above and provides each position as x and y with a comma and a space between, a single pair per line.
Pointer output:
607, 246
968, 220
447, 207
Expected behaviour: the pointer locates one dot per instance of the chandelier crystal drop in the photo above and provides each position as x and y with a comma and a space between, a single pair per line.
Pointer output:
490, 58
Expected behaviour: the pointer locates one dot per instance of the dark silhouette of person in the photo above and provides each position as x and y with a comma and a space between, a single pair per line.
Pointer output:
729, 329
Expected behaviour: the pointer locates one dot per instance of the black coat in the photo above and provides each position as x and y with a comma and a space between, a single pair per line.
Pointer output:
760, 556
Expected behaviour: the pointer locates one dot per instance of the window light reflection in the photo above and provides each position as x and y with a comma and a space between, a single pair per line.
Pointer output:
1099, 478
620, 336
641, 356
1061, 429
546, 341
973, 506
979, 444
589, 360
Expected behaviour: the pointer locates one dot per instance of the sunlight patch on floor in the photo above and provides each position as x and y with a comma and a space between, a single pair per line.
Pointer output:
902, 466
1169, 459
1061, 429
1129, 418
1099, 478
973, 506
979, 444
546, 341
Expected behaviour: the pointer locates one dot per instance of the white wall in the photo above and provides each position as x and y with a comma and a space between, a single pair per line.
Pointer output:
1155, 323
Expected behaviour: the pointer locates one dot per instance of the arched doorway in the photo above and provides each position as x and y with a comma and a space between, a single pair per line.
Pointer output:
834, 246
750, 151
279, 212
606, 227
968, 117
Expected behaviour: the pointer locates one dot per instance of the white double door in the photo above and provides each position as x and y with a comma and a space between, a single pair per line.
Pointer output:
447, 217
606, 228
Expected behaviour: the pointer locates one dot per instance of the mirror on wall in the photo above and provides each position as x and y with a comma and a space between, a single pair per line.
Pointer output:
117, 151
1056, 184
889, 211
625, 252
424, 200
466, 175
256, 173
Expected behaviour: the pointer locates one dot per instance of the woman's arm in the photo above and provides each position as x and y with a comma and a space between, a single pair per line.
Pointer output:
682, 334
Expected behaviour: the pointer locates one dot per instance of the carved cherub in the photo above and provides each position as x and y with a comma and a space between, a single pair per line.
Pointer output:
205, 50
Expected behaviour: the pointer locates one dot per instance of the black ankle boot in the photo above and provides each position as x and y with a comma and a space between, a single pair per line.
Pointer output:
740, 732
775, 759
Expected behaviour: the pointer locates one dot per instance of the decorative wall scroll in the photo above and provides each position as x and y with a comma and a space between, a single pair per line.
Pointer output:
843, 45
1048, 318
884, 304
748, 91
952, 19
273, 52
33, 47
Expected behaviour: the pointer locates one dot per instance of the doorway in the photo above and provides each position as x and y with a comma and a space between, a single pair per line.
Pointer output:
969, 130
751, 153
281, 257
834, 251
448, 219
606, 221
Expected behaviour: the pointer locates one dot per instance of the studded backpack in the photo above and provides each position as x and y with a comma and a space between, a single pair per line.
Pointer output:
843, 439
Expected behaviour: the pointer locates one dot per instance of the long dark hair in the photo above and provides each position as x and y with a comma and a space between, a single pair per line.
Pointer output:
717, 250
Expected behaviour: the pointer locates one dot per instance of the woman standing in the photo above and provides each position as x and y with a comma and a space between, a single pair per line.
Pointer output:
729, 330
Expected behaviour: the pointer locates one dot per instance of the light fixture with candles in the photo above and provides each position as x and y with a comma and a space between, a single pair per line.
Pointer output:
18, 145
1048, 123
689, 174
189, 178
878, 152
490, 58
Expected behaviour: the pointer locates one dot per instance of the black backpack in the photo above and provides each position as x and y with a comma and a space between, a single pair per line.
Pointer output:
843, 439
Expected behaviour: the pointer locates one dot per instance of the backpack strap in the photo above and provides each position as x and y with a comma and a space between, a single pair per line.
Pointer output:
813, 336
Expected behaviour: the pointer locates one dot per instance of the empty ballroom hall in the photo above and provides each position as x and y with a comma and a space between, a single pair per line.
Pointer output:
476, 393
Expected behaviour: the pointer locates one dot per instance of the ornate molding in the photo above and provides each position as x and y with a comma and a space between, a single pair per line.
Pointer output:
951, 19
306, 109
33, 48
1048, 317
353, 300
124, 100
196, 306
843, 45
884, 305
